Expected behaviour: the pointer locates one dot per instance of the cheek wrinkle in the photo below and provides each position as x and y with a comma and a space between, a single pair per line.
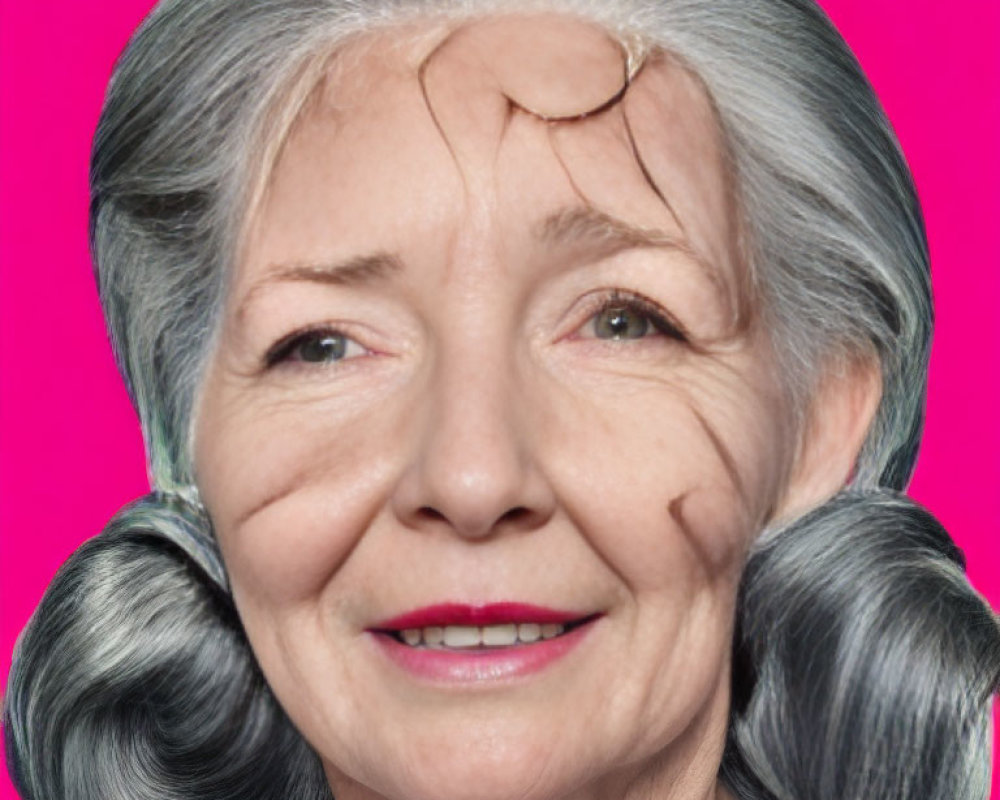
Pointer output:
725, 456
676, 510
715, 563
287, 487
508, 116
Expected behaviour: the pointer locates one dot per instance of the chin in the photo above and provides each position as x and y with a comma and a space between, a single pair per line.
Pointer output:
489, 760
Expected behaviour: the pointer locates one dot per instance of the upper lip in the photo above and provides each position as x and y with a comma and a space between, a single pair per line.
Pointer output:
444, 614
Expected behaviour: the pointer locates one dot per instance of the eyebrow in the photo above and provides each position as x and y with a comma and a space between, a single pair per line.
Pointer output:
355, 271
609, 235
589, 227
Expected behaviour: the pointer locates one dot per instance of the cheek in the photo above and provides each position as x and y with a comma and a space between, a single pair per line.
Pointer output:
669, 481
290, 487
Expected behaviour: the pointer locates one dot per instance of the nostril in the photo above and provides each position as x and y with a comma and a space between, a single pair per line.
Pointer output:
432, 514
515, 515
519, 516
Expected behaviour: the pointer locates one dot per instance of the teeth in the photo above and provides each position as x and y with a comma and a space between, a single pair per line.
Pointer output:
461, 636
550, 631
433, 636
529, 632
466, 636
499, 634
412, 636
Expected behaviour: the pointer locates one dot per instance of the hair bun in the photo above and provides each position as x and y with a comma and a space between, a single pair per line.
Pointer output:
861, 638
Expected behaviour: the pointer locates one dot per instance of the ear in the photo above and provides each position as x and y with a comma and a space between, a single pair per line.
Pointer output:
840, 413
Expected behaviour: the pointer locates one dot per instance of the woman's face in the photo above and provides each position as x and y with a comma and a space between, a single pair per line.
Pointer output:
484, 439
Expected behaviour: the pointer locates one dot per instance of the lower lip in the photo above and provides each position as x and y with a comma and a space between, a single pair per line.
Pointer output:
480, 666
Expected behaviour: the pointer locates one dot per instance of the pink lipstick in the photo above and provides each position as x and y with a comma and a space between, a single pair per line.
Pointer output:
464, 644
491, 614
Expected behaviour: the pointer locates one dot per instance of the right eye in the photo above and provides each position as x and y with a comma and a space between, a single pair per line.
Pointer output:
318, 346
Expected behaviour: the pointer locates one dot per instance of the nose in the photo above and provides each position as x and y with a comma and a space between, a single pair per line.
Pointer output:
475, 469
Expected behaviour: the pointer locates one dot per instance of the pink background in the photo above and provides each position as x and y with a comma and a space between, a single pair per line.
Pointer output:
70, 449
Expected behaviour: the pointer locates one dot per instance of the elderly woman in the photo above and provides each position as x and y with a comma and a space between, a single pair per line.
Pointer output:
527, 390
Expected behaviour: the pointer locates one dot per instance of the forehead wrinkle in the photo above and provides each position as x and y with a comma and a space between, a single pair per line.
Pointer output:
610, 235
670, 102
647, 176
615, 103
425, 94
487, 93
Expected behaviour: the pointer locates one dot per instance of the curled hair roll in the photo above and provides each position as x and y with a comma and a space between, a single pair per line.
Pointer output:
134, 681
865, 663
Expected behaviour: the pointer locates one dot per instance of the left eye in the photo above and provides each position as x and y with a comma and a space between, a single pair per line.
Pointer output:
622, 318
314, 347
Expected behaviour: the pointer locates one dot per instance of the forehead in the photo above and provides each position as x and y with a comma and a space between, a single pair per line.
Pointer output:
513, 116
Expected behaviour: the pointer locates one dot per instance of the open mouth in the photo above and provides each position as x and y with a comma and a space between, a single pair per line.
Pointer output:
469, 645
483, 637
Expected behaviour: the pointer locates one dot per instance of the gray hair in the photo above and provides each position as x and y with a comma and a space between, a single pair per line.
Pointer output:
863, 662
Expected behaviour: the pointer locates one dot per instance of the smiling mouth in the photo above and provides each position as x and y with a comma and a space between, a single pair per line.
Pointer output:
485, 637
470, 628
463, 645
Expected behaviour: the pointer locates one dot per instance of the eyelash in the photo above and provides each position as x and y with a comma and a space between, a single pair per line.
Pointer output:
282, 350
658, 317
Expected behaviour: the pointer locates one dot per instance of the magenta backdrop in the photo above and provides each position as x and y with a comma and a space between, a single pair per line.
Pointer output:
70, 449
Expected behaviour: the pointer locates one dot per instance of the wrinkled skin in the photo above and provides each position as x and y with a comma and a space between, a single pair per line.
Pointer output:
458, 207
